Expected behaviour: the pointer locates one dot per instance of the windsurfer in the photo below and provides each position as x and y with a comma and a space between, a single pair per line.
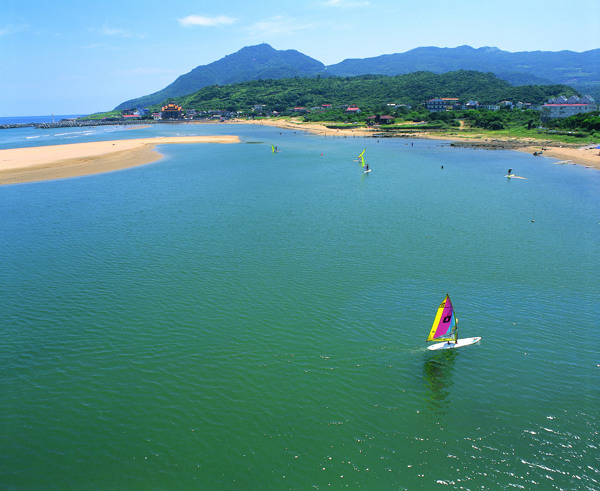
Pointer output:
509, 172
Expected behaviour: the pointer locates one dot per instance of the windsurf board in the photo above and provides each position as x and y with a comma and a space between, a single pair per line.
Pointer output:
451, 345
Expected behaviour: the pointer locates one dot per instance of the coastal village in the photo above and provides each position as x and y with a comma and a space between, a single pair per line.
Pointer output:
556, 108
559, 107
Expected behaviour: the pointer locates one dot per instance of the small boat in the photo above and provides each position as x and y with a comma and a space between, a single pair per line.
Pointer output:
445, 329
365, 165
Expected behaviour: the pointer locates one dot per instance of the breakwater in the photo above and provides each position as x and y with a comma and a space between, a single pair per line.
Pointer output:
84, 123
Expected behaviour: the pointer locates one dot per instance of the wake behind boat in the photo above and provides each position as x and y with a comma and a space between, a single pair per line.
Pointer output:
445, 329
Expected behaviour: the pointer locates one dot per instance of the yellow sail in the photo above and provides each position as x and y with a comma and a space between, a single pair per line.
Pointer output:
444, 326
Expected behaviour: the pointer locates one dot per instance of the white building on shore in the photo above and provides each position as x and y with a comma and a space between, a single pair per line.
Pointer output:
561, 107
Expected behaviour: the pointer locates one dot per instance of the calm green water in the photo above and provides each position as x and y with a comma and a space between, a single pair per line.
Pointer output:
227, 318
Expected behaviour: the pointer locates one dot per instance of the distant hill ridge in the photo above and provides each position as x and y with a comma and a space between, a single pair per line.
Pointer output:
578, 70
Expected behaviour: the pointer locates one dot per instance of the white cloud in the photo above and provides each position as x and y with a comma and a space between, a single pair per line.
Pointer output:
10, 29
346, 3
115, 32
278, 25
199, 20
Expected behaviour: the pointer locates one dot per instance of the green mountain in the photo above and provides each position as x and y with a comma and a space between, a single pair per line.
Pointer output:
578, 70
370, 92
249, 63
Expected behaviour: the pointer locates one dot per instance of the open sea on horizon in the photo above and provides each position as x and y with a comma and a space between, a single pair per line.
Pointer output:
230, 318
36, 119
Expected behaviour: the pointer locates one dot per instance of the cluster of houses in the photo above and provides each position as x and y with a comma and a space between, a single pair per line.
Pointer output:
349, 109
440, 104
170, 111
173, 111
559, 107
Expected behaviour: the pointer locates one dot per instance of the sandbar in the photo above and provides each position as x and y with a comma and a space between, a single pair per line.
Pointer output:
22, 165
19, 165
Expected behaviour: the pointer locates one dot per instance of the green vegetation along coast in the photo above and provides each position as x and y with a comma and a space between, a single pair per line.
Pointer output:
498, 110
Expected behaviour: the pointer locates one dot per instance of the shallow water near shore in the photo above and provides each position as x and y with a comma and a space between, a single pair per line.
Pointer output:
230, 318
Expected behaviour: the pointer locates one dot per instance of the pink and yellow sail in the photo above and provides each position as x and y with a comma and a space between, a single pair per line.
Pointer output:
445, 324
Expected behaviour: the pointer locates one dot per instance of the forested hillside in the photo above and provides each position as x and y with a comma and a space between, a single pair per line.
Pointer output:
367, 91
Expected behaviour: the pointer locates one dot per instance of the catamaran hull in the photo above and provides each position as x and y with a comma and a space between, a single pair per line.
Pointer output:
459, 344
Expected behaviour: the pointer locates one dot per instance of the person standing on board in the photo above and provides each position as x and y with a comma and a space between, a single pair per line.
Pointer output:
455, 330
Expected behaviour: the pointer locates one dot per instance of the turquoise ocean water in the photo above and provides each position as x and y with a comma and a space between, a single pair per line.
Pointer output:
229, 318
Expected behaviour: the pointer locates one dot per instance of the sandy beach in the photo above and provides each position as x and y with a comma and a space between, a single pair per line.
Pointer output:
19, 165
567, 154
587, 155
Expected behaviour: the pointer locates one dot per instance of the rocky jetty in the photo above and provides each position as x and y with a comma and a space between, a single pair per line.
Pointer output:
77, 123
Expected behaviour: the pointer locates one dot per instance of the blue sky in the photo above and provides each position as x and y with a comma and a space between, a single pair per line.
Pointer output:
84, 56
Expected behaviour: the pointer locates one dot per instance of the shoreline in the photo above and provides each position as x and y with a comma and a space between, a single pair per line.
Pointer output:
584, 155
30, 164
21, 165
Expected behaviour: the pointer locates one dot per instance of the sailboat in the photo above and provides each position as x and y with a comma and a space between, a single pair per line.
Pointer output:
362, 160
445, 328
360, 156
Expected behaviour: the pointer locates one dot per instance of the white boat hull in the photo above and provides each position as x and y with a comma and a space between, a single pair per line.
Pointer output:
451, 345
